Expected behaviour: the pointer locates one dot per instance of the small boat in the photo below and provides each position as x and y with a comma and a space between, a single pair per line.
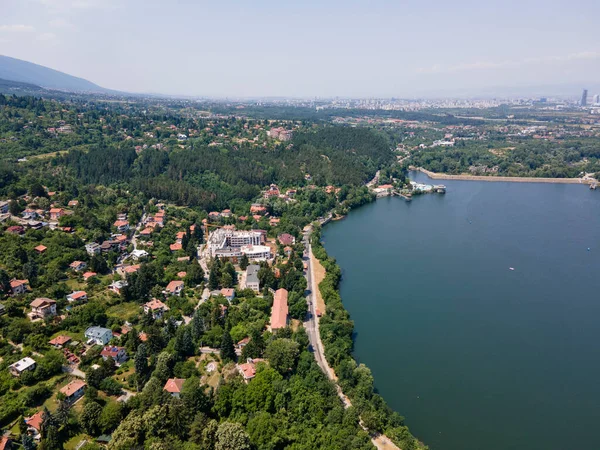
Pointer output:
511, 268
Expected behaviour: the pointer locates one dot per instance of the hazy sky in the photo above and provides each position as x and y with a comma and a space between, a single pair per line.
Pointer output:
308, 47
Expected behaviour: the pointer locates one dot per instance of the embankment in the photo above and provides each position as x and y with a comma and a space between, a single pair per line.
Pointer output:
336, 331
444, 176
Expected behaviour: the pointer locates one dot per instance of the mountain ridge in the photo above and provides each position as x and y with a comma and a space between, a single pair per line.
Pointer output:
18, 70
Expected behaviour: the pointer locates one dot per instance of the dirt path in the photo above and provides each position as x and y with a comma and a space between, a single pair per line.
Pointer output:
319, 275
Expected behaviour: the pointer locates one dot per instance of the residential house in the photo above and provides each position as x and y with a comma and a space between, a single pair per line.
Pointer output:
60, 341
19, 287
118, 354
274, 221
4, 205
74, 390
78, 266
174, 386
6, 443
257, 208
117, 286
57, 213
88, 275
15, 229
77, 296
42, 307
29, 214
273, 191
228, 293
73, 203
121, 225
93, 248
156, 308
279, 313
34, 424
175, 247
40, 248
248, 369
286, 239
138, 254
98, 335
175, 287
226, 213
21, 366
128, 270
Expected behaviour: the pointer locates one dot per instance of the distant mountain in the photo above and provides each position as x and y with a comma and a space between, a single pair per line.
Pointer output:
14, 87
17, 70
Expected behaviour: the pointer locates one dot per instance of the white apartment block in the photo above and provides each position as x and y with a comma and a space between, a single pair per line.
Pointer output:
224, 238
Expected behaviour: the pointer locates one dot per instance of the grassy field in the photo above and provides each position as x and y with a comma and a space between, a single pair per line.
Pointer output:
124, 310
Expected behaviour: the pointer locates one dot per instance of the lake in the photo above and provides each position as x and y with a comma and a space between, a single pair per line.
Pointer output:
474, 355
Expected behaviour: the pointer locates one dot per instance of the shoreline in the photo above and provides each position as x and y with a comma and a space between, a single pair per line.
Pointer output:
443, 176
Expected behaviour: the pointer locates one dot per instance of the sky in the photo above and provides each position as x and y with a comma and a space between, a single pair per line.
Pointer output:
309, 48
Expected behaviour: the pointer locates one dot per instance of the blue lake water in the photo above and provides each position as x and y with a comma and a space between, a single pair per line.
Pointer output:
474, 355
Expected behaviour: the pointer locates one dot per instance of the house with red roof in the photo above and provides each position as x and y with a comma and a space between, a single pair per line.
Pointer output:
40, 248
228, 293
156, 308
118, 354
78, 266
175, 287
77, 296
60, 341
57, 213
15, 229
258, 209
89, 275
73, 390
19, 287
174, 386
175, 247
34, 424
248, 369
286, 239
279, 312
6, 443
121, 225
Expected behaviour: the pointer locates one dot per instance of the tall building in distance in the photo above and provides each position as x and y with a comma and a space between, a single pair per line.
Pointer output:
597, 99
584, 98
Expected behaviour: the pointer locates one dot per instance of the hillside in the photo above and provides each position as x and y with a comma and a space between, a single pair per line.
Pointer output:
13, 69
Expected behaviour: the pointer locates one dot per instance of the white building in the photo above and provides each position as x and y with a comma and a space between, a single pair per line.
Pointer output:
98, 335
256, 252
93, 249
225, 237
21, 366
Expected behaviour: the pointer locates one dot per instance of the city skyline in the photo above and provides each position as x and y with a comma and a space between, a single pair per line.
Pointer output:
380, 49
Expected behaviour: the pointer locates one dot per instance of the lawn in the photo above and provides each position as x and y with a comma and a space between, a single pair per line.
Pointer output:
72, 443
124, 310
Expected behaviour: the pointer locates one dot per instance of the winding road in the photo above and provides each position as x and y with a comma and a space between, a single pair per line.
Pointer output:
311, 324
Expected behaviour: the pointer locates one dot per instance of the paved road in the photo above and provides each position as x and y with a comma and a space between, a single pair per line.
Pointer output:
311, 324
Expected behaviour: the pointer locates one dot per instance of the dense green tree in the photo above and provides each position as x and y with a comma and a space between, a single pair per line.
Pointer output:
282, 354
231, 436
90, 418
227, 348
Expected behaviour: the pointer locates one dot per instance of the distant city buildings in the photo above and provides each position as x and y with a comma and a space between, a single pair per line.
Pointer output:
584, 97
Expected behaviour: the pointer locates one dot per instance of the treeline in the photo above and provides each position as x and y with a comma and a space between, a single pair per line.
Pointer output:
211, 177
529, 157
356, 381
